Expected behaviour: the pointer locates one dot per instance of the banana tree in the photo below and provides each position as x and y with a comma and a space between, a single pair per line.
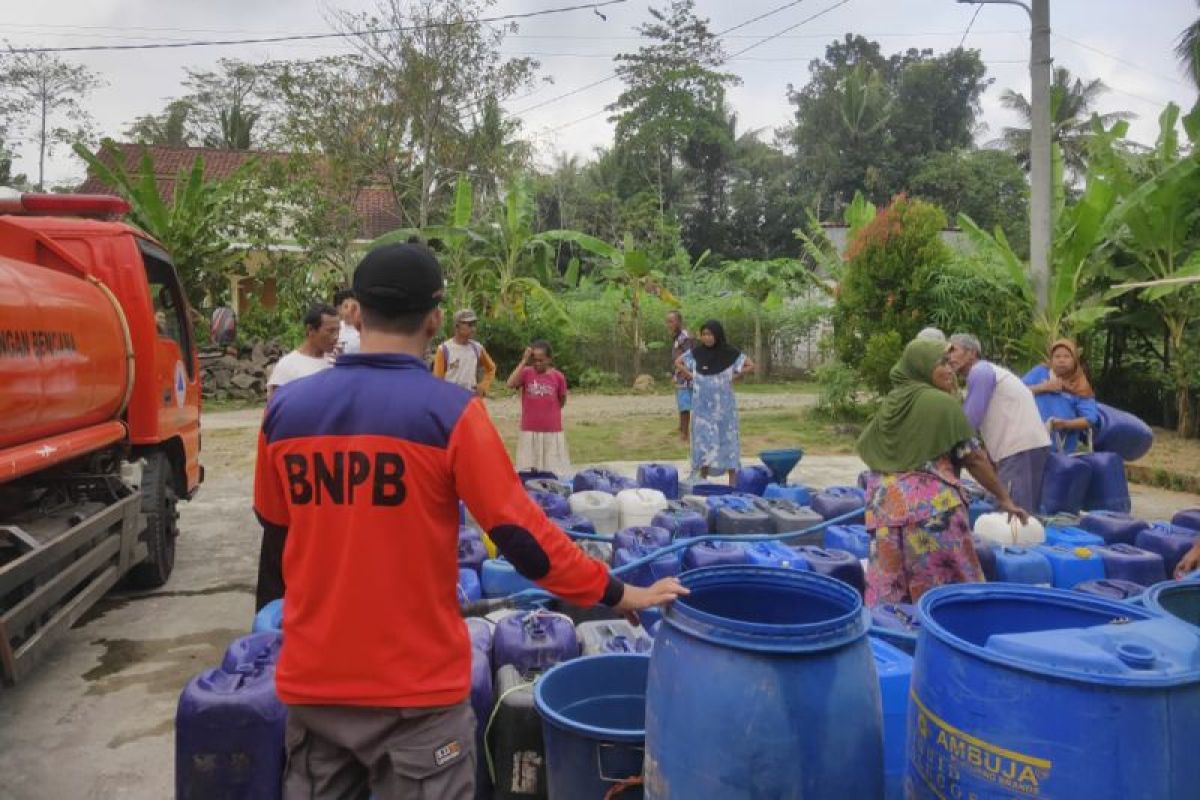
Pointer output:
1157, 226
196, 223
629, 268
822, 252
759, 287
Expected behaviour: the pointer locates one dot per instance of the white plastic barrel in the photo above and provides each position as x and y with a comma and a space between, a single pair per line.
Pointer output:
637, 507
600, 507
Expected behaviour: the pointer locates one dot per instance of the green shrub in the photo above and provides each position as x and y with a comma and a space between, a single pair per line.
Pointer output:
838, 391
883, 351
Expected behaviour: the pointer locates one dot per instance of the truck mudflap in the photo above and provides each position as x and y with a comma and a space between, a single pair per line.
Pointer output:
52, 583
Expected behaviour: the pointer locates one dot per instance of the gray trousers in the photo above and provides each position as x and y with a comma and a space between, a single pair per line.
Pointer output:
351, 752
1022, 474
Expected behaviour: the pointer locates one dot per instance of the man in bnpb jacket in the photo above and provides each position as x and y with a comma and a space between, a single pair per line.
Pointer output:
360, 474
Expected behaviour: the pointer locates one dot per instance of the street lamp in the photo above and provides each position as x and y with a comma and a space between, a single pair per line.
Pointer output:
1039, 142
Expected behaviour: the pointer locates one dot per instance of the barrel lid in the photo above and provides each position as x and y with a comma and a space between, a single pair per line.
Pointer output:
1128, 646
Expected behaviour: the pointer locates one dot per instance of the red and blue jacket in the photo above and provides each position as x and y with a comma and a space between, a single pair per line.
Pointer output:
363, 465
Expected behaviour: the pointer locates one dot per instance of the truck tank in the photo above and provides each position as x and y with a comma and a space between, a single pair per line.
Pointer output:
65, 354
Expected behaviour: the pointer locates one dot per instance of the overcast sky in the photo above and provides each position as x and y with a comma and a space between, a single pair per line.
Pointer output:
1127, 43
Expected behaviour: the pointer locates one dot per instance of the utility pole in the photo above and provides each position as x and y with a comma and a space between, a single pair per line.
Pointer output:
1041, 190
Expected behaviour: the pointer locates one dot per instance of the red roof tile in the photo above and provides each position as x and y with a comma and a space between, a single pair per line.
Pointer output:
375, 206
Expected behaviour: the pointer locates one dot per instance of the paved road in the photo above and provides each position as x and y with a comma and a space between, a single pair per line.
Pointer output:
97, 720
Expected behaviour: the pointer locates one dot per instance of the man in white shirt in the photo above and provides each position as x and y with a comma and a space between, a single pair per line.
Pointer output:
1002, 408
462, 360
347, 311
312, 356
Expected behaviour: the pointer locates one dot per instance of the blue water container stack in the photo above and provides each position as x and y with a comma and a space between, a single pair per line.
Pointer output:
714, 554
553, 504
896, 624
599, 479
787, 517
1107, 488
1071, 566
839, 500
1069, 536
1025, 692
740, 519
663, 566
1113, 527
799, 494
499, 578
1128, 563
894, 668
472, 552
1064, 484
1022, 565
852, 538
836, 564
752, 479
611, 636
663, 477
774, 554
1169, 541
682, 523
229, 726
648, 535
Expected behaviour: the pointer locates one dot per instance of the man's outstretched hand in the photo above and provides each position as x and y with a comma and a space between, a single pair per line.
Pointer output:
658, 593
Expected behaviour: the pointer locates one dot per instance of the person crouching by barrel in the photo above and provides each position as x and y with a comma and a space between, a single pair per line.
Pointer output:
915, 447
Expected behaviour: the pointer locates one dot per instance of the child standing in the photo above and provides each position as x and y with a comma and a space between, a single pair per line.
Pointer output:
542, 445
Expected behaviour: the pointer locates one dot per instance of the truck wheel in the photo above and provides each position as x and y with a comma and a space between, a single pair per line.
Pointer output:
158, 504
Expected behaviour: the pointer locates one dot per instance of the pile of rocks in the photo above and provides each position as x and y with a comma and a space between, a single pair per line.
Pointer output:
238, 373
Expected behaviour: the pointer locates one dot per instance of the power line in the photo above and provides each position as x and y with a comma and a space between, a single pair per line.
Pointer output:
312, 36
970, 25
744, 50
613, 75
1118, 59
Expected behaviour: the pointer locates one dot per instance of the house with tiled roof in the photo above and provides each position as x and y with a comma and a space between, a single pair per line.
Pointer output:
374, 206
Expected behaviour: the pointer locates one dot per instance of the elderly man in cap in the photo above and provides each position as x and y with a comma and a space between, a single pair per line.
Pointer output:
361, 474
461, 359
1003, 410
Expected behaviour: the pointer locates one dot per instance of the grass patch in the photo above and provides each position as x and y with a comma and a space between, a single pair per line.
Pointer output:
232, 405
646, 438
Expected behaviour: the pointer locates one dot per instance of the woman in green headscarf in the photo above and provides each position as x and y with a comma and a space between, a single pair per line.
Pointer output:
916, 507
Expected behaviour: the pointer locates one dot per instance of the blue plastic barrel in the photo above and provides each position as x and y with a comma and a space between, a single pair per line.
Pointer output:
1122, 433
593, 714
1180, 599
269, 617
894, 668
762, 684
1044, 693
229, 736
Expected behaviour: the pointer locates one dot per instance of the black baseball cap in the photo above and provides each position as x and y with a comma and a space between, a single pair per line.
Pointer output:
399, 279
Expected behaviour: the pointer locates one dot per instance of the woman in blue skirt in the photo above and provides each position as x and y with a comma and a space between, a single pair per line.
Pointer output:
713, 365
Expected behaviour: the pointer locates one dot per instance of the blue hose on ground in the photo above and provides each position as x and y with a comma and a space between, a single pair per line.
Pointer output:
528, 597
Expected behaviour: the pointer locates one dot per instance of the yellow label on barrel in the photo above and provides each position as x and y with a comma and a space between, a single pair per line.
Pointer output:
955, 765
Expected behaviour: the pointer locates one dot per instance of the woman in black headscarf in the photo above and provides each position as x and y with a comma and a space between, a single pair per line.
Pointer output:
713, 365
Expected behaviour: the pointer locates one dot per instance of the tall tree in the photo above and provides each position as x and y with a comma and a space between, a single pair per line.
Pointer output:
986, 185
232, 107
435, 65
1071, 103
1188, 50
169, 128
674, 94
49, 93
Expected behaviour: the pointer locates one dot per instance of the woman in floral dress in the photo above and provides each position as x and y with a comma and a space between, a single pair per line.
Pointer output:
916, 507
713, 365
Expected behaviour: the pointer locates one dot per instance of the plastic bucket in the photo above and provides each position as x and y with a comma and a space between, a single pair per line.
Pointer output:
1020, 691
763, 684
593, 713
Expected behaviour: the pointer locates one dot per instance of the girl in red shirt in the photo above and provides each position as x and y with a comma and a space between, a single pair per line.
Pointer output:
542, 444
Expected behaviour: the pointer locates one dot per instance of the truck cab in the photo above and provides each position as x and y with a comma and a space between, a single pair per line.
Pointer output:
99, 411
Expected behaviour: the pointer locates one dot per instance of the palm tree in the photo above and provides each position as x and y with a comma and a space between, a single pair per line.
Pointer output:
1188, 50
1071, 103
